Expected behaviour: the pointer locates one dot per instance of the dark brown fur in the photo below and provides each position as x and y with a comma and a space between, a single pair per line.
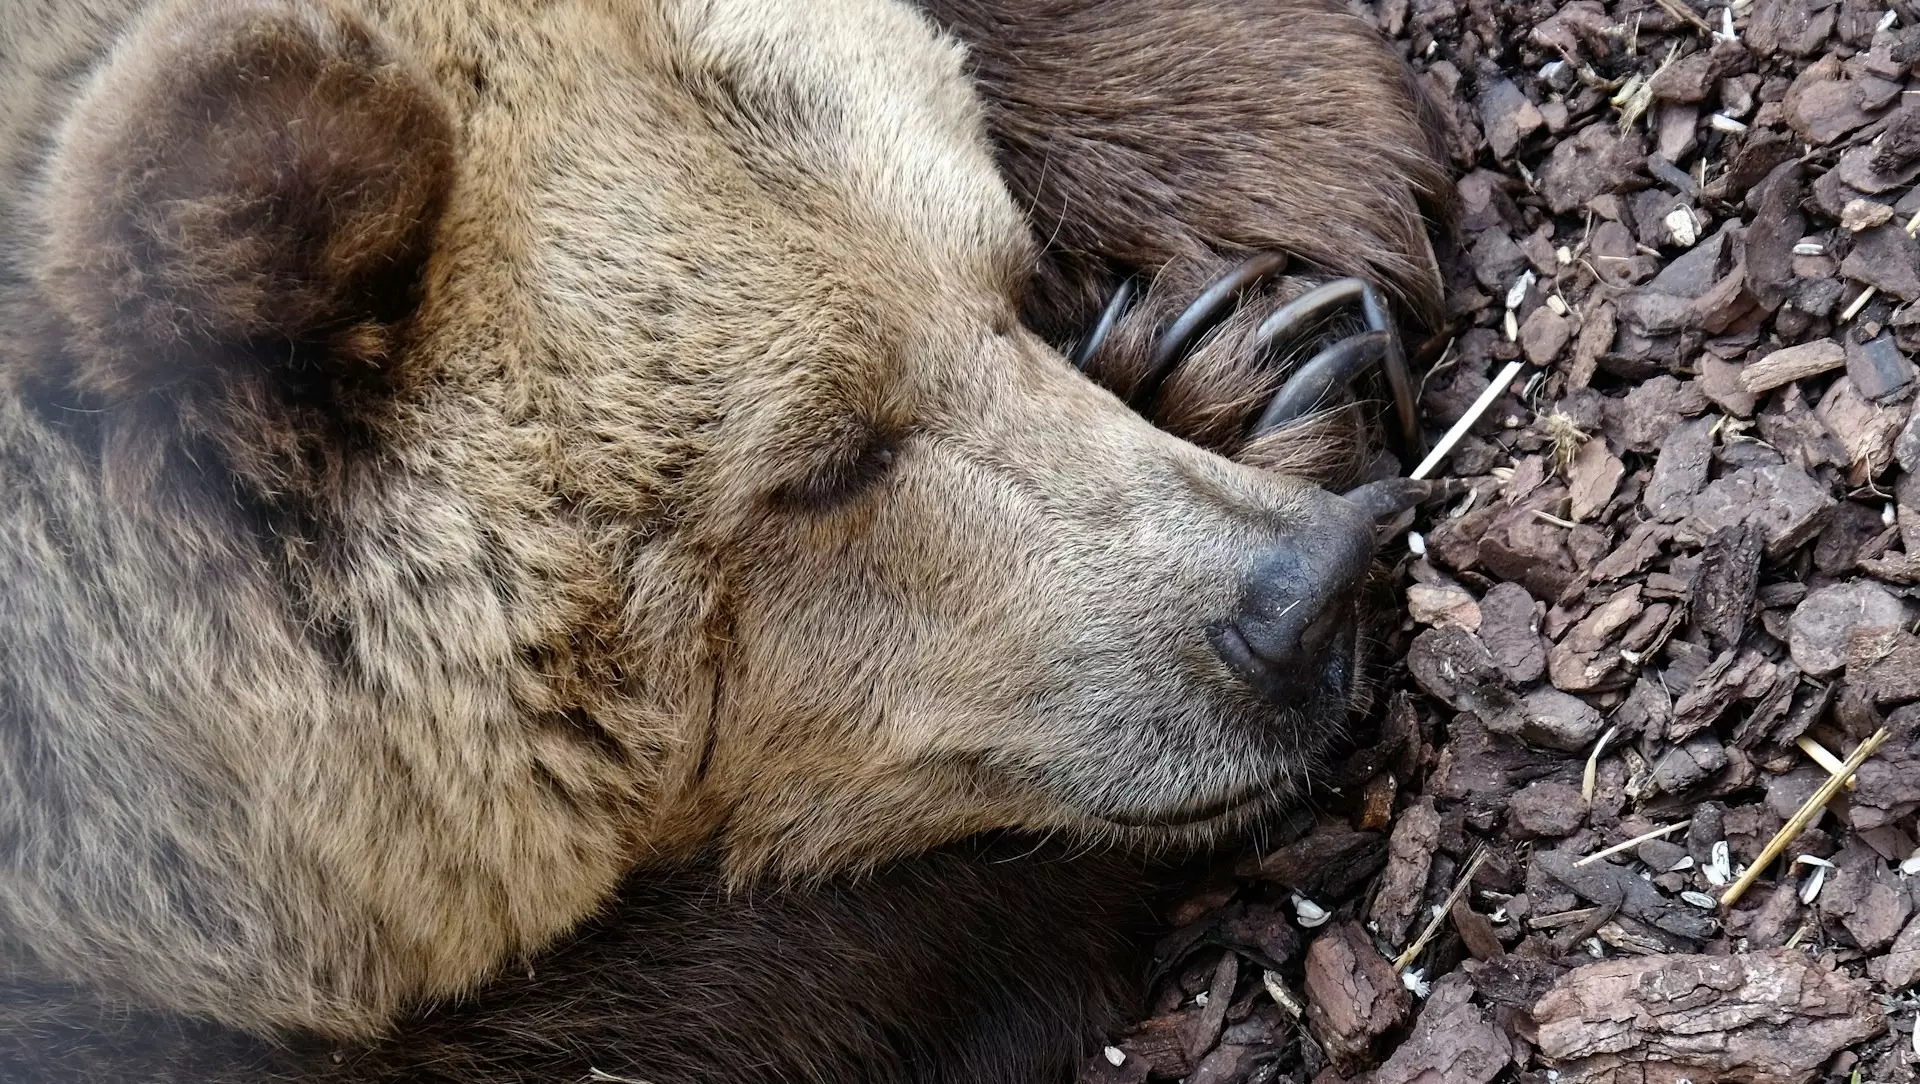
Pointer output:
1143, 134
245, 245
987, 963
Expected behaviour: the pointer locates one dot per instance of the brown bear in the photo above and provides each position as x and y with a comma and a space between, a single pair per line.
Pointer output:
462, 454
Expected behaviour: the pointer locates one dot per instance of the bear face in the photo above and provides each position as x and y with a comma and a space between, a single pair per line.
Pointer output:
469, 449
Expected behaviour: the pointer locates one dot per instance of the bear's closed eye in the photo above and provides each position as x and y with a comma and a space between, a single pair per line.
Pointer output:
852, 469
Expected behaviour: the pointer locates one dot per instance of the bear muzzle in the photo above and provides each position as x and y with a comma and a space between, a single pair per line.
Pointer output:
1292, 635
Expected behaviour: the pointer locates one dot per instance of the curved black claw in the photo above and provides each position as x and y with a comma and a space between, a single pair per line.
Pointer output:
1294, 318
1116, 307
1392, 496
1212, 306
1308, 386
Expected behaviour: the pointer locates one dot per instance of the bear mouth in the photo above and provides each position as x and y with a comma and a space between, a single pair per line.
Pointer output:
1332, 697
1234, 803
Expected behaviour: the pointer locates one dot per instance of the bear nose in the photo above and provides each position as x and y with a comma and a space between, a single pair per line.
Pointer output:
1292, 634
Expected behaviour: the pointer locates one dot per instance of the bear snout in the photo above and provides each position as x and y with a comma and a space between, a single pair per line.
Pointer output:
1292, 634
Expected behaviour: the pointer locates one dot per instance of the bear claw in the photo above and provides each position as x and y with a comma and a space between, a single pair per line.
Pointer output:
1305, 390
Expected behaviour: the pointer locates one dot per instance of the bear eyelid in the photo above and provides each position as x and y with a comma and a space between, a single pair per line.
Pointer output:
854, 469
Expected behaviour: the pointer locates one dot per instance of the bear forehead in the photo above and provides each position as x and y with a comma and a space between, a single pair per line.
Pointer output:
652, 174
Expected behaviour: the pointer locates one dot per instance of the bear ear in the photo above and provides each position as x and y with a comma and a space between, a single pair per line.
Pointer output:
249, 188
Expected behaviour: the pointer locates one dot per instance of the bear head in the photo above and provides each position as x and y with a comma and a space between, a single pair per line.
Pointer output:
471, 449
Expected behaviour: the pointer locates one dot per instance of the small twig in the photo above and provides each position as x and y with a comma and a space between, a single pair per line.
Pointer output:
1419, 945
1678, 12
1853, 307
1590, 779
1631, 843
1479, 407
1549, 517
1823, 758
1808, 812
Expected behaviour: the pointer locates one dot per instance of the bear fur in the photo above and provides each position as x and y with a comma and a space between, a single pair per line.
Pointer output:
467, 454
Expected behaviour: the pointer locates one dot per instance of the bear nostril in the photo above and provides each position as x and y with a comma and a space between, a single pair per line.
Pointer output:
1325, 628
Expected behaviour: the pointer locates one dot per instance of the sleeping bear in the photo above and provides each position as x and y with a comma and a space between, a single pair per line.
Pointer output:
551, 538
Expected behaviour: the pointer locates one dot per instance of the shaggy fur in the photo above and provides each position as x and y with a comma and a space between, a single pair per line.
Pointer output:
463, 451
992, 962
1310, 136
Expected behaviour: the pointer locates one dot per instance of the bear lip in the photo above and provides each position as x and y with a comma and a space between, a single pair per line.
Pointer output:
1234, 802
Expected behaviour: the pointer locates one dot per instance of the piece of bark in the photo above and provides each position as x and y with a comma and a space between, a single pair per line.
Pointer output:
1262, 932
1326, 863
1867, 430
1202, 1030
1543, 335
1681, 471
1886, 258
1906, 449
1866, 897
1777, 225
1521, 546
1800, 434
1641, 547
1690, 763
1854, 531
1822, 627
1454, 1042
1864, 214
1476, 932
1588, 658
1724, 586
1722, 382
1226, 1065
1889, 789
1157, 1043
1595, 338
1452, 665
1510, 631
1546, 810
1599, 158
1410, 852
1820, 106
1547, 718
1884, 664
1609, 885
1900, 967
1763, 1018
1792, 363
1595, 474
1733, 675
1354, 1000
1900, 568
1506, 116
1442, 604
1878, 368
1789, 507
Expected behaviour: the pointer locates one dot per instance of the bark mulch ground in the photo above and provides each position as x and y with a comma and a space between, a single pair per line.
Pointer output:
1683, 589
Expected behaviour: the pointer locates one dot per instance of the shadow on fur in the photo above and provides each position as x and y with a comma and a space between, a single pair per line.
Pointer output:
990, 961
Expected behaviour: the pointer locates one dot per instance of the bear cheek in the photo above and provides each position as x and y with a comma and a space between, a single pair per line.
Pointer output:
246, 194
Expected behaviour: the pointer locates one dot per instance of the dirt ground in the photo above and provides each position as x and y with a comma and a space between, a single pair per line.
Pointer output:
1683, 588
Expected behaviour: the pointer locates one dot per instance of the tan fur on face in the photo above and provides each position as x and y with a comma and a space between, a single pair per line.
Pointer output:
709, 495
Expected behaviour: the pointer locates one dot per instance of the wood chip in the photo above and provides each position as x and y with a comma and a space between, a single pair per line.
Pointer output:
1792, 363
